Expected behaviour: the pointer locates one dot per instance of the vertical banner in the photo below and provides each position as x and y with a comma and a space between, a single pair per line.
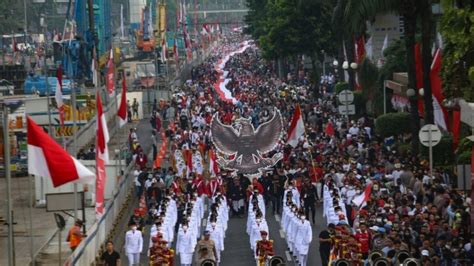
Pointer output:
110, 73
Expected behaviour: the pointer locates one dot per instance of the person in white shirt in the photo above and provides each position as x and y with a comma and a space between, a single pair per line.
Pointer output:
133, 244
185, 245
354, 130
217, 235
303, 238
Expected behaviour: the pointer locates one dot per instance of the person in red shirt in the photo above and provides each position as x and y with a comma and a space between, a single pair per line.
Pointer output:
257, 186
363, 238
141, 160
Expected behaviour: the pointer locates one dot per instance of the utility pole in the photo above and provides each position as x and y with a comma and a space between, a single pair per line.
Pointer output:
8, 177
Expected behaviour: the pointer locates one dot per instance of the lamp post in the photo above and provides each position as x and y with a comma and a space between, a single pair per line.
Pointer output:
348, 67
7, 106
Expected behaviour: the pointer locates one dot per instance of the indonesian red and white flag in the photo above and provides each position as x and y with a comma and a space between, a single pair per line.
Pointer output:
122, 111
296, 129
110, 73
439, 112
94, 69
361, 199
163, 49
102, 157
47, 158
213, 167
59, 95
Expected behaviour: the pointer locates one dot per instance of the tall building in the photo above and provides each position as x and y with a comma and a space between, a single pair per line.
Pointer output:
390, 25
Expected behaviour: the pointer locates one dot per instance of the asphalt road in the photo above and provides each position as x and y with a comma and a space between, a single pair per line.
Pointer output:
237, 246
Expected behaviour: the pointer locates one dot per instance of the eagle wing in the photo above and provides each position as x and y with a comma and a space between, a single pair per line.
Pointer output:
223, 136
268, 134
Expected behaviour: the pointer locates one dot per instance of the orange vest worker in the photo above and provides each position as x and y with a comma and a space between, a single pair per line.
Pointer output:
75, 235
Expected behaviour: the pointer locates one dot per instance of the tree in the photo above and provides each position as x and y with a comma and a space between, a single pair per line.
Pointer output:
368, 76
255, 18
426, 42
285, 30
357, 12
457, 28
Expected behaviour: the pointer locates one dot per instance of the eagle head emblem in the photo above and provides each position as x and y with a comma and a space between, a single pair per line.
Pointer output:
246, 144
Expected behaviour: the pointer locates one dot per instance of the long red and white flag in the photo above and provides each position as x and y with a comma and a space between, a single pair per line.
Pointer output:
102, 157
296, 129
110, 73
47, 158
122, 111
213, 167
439, 112
163, 49
59, 95
361, 199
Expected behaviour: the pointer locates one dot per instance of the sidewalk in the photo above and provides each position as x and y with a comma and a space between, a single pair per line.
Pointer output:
44, 225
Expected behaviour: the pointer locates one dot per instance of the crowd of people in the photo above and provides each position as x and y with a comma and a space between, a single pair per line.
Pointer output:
404, 208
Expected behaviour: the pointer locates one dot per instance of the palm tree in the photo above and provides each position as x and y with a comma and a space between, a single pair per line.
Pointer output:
426, 42
357, 12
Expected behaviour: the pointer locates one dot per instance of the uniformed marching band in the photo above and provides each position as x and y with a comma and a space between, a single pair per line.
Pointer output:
257, 229
297, 228
344, 244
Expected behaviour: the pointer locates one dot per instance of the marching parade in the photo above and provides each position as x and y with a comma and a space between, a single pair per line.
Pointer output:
257, 132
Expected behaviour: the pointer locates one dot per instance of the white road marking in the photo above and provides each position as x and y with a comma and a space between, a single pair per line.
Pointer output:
277, 217
288, 256
282, 233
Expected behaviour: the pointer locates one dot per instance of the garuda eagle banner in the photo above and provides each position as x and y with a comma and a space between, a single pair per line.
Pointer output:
246, 145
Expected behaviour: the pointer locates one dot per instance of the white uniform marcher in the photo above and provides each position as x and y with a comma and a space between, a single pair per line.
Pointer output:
185, 245
303, 238
257, 226
295, 196
133, 245
217, 235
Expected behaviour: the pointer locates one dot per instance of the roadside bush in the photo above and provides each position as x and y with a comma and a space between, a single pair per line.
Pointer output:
442, 153
340, 86
393, 124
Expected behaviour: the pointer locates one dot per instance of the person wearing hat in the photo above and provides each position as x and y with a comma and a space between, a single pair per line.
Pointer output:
303, 238
363, 238
258, 225
133, 244
75, 236
264, 249
206, 249
217, 232
185, 245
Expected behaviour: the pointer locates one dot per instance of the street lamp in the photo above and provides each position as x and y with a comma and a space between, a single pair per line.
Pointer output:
335, 63
354, 65
410, 93
345, 65
421, 92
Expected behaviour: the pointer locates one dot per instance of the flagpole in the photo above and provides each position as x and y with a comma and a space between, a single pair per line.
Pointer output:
30, 216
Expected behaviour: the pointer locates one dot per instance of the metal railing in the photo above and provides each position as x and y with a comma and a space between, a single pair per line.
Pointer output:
86, 252
87, 132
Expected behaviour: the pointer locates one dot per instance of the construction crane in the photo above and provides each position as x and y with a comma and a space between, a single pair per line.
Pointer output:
144, 36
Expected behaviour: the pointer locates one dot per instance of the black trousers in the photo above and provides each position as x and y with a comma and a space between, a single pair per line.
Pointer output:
324, 257
276, 203
310, 207
155, 152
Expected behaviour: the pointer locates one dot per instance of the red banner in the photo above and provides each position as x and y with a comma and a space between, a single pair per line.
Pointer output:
110, 74
99, 186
